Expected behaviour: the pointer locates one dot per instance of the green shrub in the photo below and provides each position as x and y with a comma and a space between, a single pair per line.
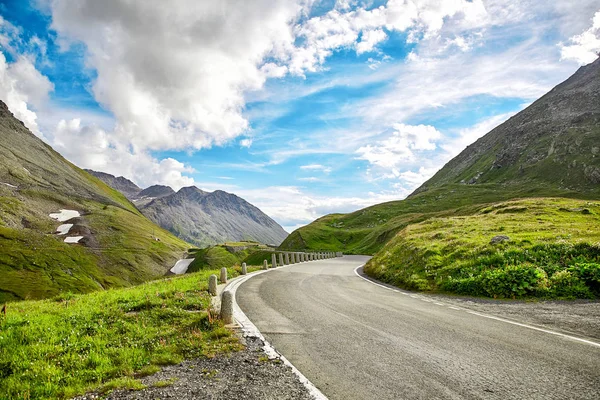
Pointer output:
470, 286
568, 285
514, 281
589, 273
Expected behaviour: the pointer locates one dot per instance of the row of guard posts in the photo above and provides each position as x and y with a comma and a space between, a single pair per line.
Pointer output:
278, 259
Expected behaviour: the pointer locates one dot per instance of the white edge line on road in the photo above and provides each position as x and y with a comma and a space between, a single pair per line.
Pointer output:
249, 329
535, 328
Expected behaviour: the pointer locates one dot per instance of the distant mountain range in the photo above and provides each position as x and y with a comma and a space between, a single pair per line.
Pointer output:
199, 217
102, 241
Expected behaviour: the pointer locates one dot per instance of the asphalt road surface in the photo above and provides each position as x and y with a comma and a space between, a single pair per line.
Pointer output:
356, 340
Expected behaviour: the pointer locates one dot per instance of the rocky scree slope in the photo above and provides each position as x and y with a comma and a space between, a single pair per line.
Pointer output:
550, 149
207, 218
202, 218
120, 246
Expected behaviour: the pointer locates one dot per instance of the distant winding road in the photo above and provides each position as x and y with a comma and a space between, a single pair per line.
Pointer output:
356, 340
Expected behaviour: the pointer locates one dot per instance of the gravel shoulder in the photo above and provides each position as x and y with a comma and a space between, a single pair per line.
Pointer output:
576, 317
247, 374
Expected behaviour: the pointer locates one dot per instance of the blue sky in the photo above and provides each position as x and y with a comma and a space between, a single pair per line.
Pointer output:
302, 107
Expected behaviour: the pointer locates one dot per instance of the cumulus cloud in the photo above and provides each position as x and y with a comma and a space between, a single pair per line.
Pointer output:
246, 142
400, 145
585, 47
369, 40
22, 85
92, 147
292, 207
174, 74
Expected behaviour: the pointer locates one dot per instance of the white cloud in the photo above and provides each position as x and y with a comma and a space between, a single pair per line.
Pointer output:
399, 147
369, 40
290, 206
583, 48
92, 147
316, 167
22, 85
246, 142
175, 74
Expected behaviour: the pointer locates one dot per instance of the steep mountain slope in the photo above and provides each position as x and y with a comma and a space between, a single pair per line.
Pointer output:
552, 148
206, 218
554, 142
202, 218
115, 243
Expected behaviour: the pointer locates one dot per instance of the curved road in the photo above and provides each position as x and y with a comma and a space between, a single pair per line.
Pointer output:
356, 340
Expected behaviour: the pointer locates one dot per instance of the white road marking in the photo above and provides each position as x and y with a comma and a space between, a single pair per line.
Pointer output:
251, 330
535, 328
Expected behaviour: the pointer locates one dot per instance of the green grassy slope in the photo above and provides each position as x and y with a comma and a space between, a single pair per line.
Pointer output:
366, 231
230, 255
121, 248
553, 251
69, 345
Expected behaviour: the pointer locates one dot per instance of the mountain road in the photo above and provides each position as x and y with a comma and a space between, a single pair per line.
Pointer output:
355, 339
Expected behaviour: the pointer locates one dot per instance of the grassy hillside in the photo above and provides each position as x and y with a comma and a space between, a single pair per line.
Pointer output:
366, 231
120, 247
62, 347
553, 251
229, 255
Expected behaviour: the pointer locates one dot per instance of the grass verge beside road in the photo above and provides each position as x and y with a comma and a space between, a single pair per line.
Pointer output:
59, 348
552, 251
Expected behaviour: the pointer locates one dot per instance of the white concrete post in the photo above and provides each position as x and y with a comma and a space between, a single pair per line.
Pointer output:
287, 258
273, 261
212, 285
244, 269
292, 258
280, 259
227, 307
265, 265
223, 278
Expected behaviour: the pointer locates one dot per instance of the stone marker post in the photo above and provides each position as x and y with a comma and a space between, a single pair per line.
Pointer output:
273, 261
223, 277
212, 285
244, 269
265, 264
292, 258
280, 259
287, 258
227, 307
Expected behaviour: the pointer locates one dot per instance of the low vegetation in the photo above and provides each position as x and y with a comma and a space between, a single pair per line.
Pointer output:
550, 249
71, 344
229, 255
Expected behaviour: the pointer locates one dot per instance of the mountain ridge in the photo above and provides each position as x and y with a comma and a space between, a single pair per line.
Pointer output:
205, 218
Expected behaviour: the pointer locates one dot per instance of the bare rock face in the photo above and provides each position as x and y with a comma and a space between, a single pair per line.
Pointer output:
199, 217
499, 239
